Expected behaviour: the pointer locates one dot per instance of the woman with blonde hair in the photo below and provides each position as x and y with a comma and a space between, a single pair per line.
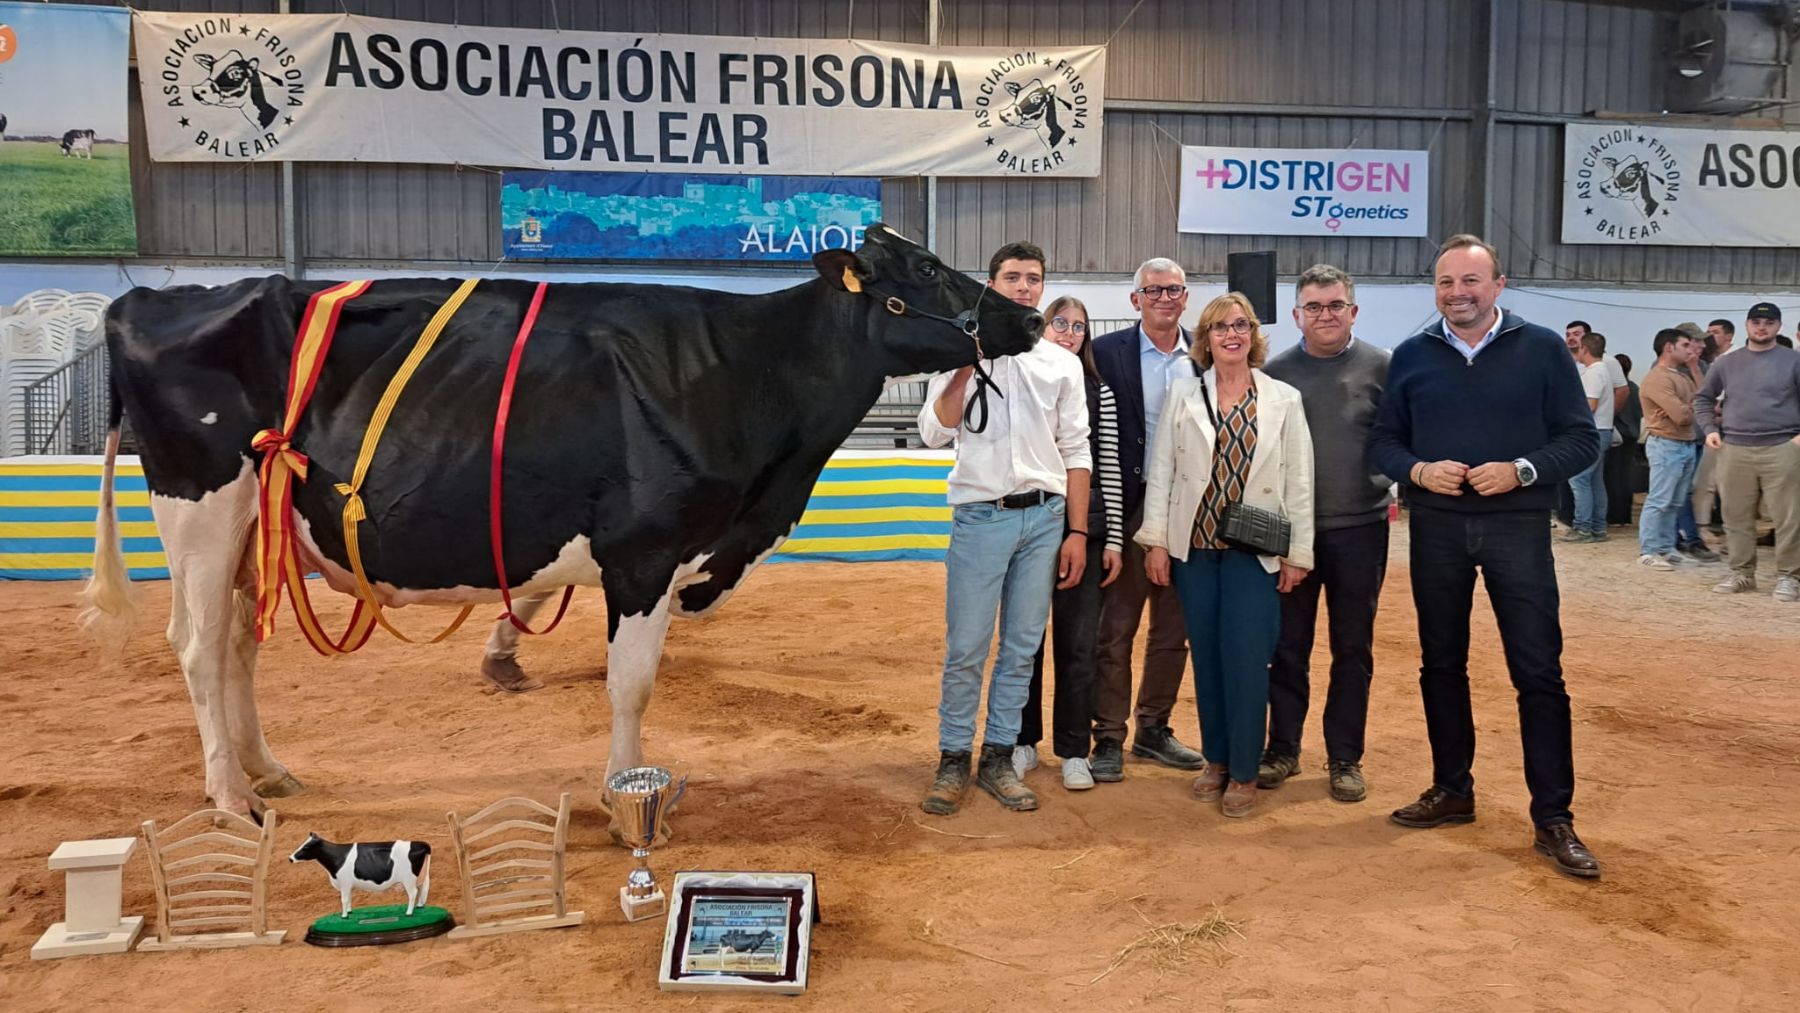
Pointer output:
1228, 519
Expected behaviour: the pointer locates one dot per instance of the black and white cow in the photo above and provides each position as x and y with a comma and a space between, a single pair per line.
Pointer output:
234, 81
744, 941
2, 126
371, 867
663, 441
1631, 179
79, 143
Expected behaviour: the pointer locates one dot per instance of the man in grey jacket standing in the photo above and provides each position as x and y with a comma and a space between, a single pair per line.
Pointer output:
1758, 441
1340, 380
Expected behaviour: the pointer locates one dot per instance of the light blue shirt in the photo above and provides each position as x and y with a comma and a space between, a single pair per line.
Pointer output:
1156, 369
1463, 346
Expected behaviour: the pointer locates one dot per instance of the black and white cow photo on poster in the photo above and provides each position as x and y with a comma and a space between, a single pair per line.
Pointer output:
342, 87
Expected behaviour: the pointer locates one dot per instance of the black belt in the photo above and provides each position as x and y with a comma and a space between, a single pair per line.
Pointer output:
1021, 500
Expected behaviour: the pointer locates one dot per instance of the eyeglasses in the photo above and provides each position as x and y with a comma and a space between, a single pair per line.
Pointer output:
1170, 292
1336, 306
1238, 327
1063, 326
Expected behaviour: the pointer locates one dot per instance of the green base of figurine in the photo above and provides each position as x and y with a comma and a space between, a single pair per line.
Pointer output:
380, 925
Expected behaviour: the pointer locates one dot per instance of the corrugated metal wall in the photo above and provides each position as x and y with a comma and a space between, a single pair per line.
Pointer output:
1369, 73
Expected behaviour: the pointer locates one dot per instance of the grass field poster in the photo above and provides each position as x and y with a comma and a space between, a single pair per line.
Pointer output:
65, 161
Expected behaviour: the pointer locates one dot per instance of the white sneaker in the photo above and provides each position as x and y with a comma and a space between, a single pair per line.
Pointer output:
1655, 562
1735, 583
1024, 758
1787, 588
1076, 775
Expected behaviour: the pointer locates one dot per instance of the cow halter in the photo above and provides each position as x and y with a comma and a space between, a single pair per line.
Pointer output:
968, 322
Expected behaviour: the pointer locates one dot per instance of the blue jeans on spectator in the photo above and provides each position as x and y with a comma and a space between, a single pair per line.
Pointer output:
1000, 562
1233, 616
1590, 491
1672, 466
1687, 526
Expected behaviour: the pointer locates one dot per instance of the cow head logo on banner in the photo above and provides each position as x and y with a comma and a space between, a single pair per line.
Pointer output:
231, 86
1033, 110
1628, 182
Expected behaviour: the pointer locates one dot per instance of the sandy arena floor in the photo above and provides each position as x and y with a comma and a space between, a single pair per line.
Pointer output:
805, 714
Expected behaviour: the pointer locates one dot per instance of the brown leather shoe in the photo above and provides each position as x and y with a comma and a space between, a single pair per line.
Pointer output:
1558, 841
1240, 799
1434, 809
996, 776
1211, 783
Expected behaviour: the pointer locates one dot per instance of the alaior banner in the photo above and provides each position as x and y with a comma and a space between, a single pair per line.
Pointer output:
341, 87
1650, 185
1304, 191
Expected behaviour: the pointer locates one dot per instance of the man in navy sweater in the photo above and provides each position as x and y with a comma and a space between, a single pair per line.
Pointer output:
1482, 417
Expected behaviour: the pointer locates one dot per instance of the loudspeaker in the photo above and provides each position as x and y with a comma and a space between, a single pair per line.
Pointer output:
1254, 275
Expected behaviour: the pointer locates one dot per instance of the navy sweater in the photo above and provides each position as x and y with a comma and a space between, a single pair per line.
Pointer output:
1520, 397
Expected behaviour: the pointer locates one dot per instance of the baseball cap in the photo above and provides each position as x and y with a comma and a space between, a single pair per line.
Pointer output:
1691, 329
1764, 309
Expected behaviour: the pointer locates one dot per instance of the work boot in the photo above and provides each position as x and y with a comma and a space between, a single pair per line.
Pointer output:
1347, 784
997, 777
946, 792
1108, 763
1157, 742
1276, 768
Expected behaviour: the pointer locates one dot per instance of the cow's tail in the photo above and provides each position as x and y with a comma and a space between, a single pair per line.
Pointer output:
108, 603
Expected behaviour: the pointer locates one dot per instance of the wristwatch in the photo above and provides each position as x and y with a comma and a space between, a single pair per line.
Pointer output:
1527, 473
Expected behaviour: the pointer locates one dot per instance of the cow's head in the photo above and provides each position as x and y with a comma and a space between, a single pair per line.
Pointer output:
926, 317
312, 848
1030, 103
1630, 179
229, 79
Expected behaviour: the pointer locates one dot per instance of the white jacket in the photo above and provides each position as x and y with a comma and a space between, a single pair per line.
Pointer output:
1181, 467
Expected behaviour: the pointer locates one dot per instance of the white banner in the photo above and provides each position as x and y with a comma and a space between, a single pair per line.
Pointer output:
1304, 191
1676, 186
338, 87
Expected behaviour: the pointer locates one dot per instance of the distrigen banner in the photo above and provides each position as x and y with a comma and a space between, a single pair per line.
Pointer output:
1304, 191
339, 87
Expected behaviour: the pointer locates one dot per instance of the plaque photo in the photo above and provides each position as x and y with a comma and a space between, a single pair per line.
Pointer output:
739, 931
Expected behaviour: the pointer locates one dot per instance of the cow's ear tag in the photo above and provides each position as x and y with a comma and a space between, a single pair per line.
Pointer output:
851, 281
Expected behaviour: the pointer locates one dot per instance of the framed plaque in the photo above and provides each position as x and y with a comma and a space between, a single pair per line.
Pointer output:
739, 931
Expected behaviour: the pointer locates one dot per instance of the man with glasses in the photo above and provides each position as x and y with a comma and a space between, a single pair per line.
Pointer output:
1008, 538
1138, 363
1340, 380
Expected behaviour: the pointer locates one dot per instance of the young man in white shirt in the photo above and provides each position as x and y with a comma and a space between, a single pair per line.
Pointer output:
1590, 486
1018, 475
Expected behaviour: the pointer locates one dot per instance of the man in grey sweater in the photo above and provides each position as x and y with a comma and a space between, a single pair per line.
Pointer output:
1758, 440
1340, 380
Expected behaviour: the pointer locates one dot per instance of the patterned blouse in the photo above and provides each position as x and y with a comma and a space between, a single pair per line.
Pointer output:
1232, 449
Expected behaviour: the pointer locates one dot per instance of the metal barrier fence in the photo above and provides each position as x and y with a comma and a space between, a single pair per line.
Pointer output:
65, 412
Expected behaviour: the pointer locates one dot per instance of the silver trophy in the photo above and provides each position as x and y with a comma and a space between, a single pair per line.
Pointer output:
641, 799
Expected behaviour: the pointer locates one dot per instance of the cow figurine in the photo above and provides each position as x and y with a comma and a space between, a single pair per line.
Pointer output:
371, 867
664, 442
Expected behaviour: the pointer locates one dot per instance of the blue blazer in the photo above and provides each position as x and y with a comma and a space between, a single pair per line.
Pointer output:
1116, 356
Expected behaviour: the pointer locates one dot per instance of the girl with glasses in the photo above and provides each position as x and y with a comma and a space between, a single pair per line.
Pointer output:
1075, 611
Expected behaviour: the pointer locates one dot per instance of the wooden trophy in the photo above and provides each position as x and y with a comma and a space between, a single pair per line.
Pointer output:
495, 904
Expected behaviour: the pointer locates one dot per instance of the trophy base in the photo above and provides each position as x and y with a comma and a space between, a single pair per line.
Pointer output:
639, 908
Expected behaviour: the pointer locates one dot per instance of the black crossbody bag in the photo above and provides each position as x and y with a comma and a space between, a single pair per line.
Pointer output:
1250, 528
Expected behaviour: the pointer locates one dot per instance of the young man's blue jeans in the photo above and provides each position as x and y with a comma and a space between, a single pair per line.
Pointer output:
1672, 467
1687, 526
1589, 488
1001, 562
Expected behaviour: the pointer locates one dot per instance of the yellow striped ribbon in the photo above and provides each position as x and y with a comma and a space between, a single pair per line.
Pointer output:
354, 511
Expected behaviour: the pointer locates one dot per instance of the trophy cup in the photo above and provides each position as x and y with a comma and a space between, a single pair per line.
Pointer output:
641, 800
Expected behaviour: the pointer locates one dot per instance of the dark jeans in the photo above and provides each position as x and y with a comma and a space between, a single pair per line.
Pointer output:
1624, 463
1512, 551
1074, 631
1233, 623
1349, 566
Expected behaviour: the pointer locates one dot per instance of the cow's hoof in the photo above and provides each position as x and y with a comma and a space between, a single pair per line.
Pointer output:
279, 787
506, 676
